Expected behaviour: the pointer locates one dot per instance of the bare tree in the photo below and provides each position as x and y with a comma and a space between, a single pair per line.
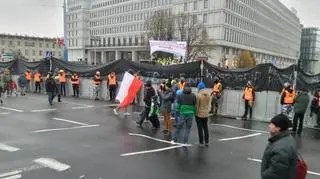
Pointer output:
160, 26
195, 34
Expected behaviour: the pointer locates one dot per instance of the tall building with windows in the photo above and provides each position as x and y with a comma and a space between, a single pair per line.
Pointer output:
27, 47
115, 29
310, 50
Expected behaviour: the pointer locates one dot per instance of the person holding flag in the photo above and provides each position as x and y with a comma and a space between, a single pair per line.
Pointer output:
129, 88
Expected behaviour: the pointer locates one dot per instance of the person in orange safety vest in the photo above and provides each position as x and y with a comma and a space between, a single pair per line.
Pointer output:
75, 81
249, 98
62, 80
216, 94
112, 84
97, 80
37, 79
287, 101
28, 76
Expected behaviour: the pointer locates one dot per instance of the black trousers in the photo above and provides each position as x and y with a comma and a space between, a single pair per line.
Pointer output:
38, 86
75, 88
247, 108
112, 92
202, 124
63, 88
144, 114
297, 117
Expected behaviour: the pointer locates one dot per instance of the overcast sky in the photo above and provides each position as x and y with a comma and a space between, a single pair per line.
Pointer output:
33, 17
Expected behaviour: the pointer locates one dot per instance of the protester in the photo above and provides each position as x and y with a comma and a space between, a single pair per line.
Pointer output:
149, 92
166, 98
22, 83
37, 79
287, 99
186, 105
154, 113
249, 98
75, 81
176, 113
57, 92
112, 86
51, 88
315, 107
138, 95
12, 87
280, 156
216, 94
300, 107
202, 113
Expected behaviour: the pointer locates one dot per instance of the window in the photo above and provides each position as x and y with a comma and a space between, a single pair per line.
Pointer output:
47, 45
194, 19
185, 6
18, 43
205, 18
40, 52
2, 42
40, 45
33, 52
205, 4
195, 5
53, 45
10, 42
26, 52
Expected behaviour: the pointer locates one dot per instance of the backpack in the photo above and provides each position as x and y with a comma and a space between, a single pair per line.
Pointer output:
302, 168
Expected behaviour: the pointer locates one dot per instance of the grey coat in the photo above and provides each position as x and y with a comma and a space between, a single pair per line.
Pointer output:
280, 157
166, 98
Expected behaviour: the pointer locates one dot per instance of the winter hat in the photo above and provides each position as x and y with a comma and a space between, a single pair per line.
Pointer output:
281, 121
201, 86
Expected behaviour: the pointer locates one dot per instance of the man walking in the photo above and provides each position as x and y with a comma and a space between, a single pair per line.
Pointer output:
280, 156
22, 83
51, 88
186, 105
149, 92
300, 107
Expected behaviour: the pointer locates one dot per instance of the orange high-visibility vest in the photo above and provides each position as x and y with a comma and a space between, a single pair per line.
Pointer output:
289, 97
181, 85
62, 78
28, 76
97, 80
112, 80
37, 77
216, 88
248, 94
75, 80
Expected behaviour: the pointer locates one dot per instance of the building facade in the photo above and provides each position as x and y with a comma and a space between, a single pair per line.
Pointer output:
106, 30
310, 50
27, 47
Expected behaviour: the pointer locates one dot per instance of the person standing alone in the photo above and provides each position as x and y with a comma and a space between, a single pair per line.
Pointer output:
112, 85
300, 107
51, 88
75, 81
37, 80
62, 80
249, 98
202, 113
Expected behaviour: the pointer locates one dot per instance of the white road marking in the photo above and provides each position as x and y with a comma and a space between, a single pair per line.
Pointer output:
150, 151
52, 163
82, 107
8, 148
159, 140
73, 122
240, 128
13, 177
79, 104
4, 113
240, 137
63, 129
11, 109
111, 105
10, 173
259, 161
82, 176
43, 110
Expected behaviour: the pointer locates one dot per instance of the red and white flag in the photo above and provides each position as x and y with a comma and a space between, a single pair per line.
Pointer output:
60, 41
128, 89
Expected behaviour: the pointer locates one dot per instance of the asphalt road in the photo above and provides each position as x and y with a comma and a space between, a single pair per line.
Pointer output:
82, 139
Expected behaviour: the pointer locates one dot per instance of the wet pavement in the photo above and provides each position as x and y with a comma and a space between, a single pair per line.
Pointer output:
82, 139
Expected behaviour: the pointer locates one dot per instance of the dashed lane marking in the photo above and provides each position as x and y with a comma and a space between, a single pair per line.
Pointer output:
11, 109
69, 121
63, 129
240, 128
8, 148
43, 110
52, 163
240, 137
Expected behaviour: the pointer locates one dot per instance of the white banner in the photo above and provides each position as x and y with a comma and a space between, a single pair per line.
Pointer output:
175, 47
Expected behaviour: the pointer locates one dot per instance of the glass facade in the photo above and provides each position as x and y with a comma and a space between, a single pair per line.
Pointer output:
310, 49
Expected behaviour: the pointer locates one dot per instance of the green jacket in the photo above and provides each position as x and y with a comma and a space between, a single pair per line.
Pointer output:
301, 103
186, 103
280, 157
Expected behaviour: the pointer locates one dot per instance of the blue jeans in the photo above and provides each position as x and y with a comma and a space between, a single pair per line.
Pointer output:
183, 120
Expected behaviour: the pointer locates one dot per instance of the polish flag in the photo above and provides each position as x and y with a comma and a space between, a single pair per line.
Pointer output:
128, 90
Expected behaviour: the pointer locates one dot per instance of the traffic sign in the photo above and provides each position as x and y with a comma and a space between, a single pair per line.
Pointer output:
48, 54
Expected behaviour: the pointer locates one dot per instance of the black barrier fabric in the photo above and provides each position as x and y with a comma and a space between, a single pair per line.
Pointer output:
265, 77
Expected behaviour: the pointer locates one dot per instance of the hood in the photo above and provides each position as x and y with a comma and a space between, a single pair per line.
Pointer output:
187, 90
204, 93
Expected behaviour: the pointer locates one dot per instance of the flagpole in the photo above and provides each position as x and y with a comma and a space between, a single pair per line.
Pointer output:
65, 50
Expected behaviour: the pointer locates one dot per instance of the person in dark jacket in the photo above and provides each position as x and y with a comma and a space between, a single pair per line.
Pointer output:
186, 105
300, 107
149, 92
22, 83
166, 99
315, 107
51, 88
280, 156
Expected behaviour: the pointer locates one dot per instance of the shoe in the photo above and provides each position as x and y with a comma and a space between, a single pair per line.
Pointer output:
1, 102
127, 114
173, 142
207, 144
96, 99
115, 112
165, 131
201, 145
139, 124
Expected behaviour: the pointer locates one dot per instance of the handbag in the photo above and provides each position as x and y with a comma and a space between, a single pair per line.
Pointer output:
302, 168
